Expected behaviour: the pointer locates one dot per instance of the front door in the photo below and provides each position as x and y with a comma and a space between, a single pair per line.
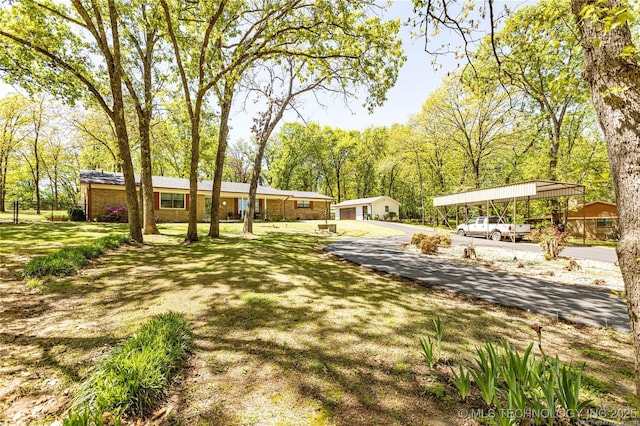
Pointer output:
365, 212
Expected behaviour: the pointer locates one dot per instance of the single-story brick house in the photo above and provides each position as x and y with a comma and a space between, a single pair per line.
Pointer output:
171, 199
364, 208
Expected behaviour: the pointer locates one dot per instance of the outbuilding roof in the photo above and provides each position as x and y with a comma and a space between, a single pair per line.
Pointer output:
163, 182
531, 190
363, 201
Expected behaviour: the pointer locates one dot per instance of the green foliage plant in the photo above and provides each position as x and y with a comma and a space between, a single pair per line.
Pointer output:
390, 216
428, 351
462, 380
485, 373
437, 323
69, 259
77, 214
551, 240
514, 382
134, 377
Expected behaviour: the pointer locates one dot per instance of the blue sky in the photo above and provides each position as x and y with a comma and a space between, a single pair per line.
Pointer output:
416, 79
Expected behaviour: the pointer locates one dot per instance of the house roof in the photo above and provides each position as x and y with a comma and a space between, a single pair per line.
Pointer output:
108, 178
362, 201
596, 209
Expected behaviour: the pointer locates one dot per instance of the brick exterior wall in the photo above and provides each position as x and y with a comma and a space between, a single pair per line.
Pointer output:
100, 198
315, 212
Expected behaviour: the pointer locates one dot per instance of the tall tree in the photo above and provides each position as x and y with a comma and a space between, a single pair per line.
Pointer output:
51, 46
612, 72
13, 129
32, 152
196, 32
477, 123
281, 88
142, 35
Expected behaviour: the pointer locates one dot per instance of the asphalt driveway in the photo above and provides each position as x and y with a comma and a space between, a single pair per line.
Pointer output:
571, 303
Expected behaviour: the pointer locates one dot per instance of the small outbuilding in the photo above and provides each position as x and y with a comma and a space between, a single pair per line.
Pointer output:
368, 208
598, 220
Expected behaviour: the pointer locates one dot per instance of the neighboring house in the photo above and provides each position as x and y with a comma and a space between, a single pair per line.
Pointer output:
599, 218
171, 199
364, 208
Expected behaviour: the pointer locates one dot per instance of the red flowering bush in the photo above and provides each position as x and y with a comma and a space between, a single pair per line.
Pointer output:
551, 240
115, 214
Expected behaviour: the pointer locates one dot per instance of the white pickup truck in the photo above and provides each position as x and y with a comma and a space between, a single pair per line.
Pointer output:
492, 227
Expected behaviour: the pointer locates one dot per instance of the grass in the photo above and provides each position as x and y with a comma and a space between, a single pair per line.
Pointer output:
30, 216
134, 377
282, 330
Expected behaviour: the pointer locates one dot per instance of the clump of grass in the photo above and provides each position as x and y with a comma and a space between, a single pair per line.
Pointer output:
69, 259
135, 375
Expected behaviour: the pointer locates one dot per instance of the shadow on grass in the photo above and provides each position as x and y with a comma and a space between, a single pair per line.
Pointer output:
283, 330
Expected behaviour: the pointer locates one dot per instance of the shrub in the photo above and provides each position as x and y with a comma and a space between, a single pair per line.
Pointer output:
551, 240
429, 244
390, 216
417, 238
444, 240
69, 259
134, 377
115, 214
77, 214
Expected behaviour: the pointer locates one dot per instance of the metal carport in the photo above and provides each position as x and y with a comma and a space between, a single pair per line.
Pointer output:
507, 194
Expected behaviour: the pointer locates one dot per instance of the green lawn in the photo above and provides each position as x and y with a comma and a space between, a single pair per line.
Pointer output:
284, 333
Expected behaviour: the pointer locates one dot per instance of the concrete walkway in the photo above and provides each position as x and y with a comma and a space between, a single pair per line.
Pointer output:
572, 303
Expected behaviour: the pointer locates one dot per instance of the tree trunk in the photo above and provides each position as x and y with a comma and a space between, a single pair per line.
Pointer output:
614, 81
214, 226
144, 119
149, 219
120, 123
192, 229
247, 227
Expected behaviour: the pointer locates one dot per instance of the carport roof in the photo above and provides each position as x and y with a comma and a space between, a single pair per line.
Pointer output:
523, 191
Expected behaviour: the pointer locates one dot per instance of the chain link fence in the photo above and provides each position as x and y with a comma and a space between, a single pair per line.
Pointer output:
19, 211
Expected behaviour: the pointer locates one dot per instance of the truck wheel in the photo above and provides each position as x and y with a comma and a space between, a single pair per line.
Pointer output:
461, 232
496, 236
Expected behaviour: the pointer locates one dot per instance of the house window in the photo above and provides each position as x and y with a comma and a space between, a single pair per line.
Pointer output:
171, 201
301, 204
386, 209
604, 223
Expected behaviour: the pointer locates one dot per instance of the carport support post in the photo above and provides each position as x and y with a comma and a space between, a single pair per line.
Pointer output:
584, 220
515, 210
